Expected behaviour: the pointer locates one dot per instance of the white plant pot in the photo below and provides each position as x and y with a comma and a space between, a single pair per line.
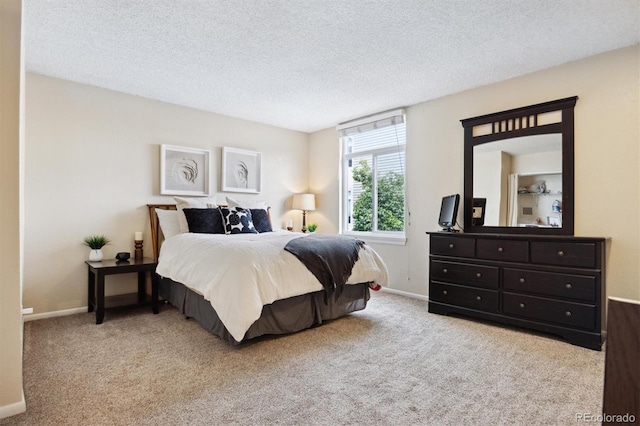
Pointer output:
95, 255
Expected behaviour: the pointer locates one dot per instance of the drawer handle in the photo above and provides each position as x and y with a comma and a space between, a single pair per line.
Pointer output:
560, 253
568, 286
451, 245
500, 249
522, 280
444, 271
444, 292
478, 298
568, 313
522, 306
478, 275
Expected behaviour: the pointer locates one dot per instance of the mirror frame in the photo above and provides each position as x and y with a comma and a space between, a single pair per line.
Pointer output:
516, 123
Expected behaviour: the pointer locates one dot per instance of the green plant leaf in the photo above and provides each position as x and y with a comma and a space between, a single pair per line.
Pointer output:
96, 242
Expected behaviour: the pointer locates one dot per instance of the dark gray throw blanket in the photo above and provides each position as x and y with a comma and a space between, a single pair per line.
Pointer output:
330, 258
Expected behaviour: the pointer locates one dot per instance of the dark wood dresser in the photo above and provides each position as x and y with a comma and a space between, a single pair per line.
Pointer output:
553, 284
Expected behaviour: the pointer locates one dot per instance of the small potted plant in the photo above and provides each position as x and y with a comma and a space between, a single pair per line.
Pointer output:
95, 243
312, 227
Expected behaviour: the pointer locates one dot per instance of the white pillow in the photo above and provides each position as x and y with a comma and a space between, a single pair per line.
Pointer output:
169, 223
192, 203
246, 204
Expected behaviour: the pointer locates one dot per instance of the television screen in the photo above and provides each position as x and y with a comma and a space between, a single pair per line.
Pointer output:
449, 211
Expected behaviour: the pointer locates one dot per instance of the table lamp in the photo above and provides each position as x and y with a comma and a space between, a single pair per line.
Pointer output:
304, 202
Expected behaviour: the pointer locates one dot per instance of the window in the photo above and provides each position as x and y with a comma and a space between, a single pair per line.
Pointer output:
373, 176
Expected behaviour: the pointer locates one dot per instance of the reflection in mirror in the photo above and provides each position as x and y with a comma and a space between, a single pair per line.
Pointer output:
521, 181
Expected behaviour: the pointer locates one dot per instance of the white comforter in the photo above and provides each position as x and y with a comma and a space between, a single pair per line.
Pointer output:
239, 274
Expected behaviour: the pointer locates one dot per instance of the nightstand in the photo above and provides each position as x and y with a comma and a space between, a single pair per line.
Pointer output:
97, 272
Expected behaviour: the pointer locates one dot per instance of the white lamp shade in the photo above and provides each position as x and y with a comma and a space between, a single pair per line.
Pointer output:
305, 202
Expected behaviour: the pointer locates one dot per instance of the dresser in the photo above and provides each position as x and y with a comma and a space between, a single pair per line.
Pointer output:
552, 284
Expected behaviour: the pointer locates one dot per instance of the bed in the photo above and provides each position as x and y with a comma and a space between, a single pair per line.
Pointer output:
240, 287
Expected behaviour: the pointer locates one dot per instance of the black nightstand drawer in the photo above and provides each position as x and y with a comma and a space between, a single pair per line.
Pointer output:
465, 273
451, 246
565, 313
506, 250
579, 287
564, 254
469, 297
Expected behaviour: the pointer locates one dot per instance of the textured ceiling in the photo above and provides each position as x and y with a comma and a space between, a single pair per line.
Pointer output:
311, 64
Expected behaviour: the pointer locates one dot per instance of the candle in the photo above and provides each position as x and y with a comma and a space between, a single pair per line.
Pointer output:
138, 236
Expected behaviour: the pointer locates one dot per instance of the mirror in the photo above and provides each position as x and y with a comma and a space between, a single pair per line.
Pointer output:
519, 170
520, 181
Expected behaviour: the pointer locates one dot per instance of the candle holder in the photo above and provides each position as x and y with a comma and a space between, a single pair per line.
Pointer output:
138, 251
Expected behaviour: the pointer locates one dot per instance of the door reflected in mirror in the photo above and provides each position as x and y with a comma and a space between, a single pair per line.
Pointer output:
520, 181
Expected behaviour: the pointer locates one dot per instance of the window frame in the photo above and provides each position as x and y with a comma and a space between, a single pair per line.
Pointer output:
375, 236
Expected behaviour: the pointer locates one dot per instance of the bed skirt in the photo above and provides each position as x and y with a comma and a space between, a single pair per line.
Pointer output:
281, 317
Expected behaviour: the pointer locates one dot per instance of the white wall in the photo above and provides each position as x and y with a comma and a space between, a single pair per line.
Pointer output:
11, 395
607, 138
92, 165
488, 178
540, 162
324, 159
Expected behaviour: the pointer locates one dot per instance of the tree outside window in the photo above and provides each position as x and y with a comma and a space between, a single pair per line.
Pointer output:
390, 200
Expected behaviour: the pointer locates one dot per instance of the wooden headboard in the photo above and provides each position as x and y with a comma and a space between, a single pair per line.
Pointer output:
155, 226
156, 232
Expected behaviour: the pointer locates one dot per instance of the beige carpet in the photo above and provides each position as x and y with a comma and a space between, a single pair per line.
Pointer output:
391, 364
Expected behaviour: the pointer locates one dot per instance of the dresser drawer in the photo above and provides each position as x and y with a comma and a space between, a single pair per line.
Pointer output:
553, 311
579, 287
564, 254
468, 297
465, 273
451, 246
507, 250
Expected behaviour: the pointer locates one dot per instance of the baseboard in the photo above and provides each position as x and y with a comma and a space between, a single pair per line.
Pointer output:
13, 409
620, 299
33, 317
405, 293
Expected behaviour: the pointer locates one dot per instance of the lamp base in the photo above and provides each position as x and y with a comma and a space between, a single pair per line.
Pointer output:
304, 221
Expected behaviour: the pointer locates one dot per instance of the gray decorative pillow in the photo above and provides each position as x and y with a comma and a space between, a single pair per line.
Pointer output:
238, 221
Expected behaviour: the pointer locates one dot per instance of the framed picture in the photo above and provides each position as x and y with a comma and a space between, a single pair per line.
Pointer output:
184, 171
241, 170
479, 205
554, 221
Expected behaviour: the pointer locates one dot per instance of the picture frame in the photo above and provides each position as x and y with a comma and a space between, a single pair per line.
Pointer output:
554, 221
241, 170
477, 216
184, 171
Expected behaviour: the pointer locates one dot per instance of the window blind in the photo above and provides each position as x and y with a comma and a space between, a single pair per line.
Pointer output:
372, 122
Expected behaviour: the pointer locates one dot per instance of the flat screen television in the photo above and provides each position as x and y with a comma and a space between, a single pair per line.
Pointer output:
449, 212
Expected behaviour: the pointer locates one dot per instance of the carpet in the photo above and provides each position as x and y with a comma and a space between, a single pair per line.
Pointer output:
390, 364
